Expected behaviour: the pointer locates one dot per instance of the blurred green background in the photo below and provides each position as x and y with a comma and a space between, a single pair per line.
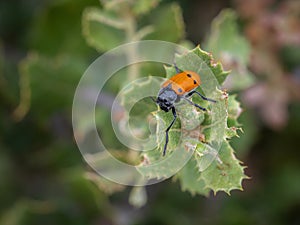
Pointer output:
45, 46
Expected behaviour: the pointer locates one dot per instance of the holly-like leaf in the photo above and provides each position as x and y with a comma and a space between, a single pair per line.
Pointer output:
206, 67
190, 179
163, 167
205, 132
225, 173
231, 48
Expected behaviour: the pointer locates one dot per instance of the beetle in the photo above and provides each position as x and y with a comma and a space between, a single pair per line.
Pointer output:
181, 86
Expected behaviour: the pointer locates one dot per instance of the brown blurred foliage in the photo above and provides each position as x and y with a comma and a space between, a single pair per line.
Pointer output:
271, 28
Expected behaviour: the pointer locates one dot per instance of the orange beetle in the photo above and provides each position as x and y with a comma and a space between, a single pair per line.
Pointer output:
180, 86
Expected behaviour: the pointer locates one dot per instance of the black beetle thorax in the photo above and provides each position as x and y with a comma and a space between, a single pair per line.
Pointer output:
166, 98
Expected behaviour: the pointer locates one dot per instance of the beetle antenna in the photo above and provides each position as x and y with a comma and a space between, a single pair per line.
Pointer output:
153, 99
176, 67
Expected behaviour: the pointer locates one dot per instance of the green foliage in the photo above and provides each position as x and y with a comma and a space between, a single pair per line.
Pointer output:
46, 45
213, 166
188, 182
225, 173
167, 24
103, 30
57, 28
58, 63
63, 72
231, 48
144, 6
117, 23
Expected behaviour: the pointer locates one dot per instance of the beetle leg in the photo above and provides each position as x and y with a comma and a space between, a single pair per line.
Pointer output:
167, 130
203, 97
194, 104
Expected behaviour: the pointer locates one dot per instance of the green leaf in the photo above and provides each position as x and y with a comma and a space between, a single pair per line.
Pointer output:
133, 96
57, 28
144, 6
234, 111
232, 132
102, 30
225, 173
231, 48
170, 71
48, 80
207, 133
234, 107
168, 23
214, 126
190, 179
207, 66
163, 168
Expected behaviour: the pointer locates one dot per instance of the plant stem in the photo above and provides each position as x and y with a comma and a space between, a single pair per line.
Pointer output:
130, 30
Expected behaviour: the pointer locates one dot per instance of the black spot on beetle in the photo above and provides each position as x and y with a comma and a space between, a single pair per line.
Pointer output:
189, 75
195, 82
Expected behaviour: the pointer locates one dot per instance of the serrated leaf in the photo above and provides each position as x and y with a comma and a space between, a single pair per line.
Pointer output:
167, 23
208, 131
208, 65
164, 167
231, 48
190, 180
103, 30
191, 128
215, 123
209, 75
225, 173
232, 132
190, 117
